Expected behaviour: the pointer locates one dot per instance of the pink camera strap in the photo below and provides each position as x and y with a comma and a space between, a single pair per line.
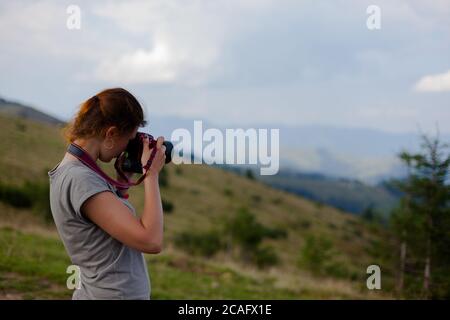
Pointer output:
86, 159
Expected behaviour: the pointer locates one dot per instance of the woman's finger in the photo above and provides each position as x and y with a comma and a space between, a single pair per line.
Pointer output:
159, 142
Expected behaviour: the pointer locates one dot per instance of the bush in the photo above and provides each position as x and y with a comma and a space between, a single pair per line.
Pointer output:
164, 178
178, 171
265, 257
245, 230
205, 243
275, 233
305, 224
371, 215
332, 226
15, 196
318, 256
358, 233
316, 253
338, 270
33, 195
228, 192
277, 200
40, 195
249, 174
248, 233
20, 126
256, 198
167, 206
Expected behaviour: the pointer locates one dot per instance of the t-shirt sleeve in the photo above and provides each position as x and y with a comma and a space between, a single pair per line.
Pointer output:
85, 184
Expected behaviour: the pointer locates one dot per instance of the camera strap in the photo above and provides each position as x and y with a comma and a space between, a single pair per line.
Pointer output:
86, 159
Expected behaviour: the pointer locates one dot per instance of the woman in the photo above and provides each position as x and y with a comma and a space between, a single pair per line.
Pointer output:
99, 228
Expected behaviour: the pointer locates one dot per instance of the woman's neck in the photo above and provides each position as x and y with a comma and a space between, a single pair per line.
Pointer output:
91, 146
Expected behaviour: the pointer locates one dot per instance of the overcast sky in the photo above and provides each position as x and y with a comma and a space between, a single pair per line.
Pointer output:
237, 62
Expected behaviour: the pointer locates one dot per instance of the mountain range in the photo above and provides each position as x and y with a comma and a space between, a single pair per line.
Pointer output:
343, 167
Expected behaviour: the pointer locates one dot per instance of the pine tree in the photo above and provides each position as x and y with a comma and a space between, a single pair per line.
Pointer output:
422, 222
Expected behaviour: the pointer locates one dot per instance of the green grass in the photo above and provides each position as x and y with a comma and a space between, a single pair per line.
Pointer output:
192, 279
35, 267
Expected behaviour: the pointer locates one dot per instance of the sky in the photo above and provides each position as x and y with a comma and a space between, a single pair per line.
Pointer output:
236, 62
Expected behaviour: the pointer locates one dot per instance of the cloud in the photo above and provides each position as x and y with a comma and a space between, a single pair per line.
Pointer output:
180, 42
155, 65
434, 83
234, 61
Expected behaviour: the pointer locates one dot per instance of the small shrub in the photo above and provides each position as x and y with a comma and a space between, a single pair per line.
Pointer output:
15, 196
318, 256
167, 206
21, 126
247, 233
164, 178
228, 192
256, 198
277, 201
305, 224
265, 257
316, 253
332, 226
178, 171
358, 233
275, 233
338, 270
346, 237
33, 195
40, 195
245, 230
204, 243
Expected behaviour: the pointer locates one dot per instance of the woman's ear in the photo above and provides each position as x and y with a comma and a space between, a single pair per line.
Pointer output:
111, 132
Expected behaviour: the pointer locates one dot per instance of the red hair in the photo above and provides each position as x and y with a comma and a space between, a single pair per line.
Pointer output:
111, 107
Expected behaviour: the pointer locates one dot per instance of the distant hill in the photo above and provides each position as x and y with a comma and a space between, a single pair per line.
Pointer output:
349, 195
26, 112
345, 194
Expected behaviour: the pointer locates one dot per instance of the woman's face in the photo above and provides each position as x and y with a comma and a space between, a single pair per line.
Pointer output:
114, 143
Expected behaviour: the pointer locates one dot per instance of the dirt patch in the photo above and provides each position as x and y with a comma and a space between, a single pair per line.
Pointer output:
11, 296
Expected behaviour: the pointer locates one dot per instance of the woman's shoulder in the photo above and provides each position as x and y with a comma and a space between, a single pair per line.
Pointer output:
78, 172
69, 168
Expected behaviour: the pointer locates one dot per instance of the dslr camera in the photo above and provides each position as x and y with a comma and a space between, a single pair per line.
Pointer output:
133, 152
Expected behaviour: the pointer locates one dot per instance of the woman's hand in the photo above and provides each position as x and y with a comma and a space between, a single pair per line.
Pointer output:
160, 157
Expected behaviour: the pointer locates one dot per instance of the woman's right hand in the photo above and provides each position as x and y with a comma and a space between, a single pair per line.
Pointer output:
160, 157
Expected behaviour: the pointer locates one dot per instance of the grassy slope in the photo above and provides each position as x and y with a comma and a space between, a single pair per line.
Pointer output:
33, 261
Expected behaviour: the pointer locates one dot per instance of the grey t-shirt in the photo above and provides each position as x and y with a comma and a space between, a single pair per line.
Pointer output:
109, 269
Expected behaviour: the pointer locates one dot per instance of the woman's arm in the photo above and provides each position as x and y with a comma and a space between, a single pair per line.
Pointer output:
109, 213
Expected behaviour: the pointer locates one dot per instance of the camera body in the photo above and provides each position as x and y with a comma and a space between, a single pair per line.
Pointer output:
133, 152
